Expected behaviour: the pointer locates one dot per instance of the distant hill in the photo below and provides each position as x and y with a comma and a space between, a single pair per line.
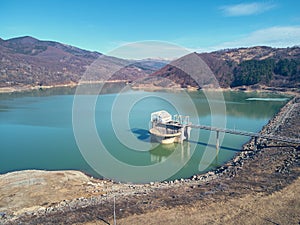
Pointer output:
32, 62
276, 67
29, 61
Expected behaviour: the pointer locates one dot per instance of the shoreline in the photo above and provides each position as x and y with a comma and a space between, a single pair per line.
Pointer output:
246, 89
128, 192
26, 88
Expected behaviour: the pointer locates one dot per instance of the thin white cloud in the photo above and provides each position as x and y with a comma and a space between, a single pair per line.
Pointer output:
149, 49
246, 9
279, 36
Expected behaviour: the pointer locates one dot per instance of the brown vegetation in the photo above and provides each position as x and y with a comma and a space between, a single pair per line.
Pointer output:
243, 66
26, 61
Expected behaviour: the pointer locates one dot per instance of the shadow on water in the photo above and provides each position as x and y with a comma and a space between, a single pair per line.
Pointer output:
214, 146
141, 134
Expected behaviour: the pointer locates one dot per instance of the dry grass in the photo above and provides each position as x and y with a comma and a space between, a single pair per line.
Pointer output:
282, 207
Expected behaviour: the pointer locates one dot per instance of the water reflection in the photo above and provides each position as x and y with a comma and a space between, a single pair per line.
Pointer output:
182, 152
237, 104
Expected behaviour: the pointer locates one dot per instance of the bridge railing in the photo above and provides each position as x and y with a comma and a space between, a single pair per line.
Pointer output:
247, 133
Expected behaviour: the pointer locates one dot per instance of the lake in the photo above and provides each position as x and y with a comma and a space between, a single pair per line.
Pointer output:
51, 130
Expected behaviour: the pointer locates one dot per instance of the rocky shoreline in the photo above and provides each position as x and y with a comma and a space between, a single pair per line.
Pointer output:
149, 87
261, 170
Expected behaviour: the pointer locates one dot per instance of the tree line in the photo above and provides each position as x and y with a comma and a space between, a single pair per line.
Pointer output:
262, 71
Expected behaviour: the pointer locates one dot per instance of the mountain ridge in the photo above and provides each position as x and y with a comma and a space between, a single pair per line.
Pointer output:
259, 65
32, 62
27, 61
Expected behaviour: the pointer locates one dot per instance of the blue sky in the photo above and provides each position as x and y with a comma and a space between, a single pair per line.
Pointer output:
102, 25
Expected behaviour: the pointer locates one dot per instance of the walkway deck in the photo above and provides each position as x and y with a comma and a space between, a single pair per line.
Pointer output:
246, 133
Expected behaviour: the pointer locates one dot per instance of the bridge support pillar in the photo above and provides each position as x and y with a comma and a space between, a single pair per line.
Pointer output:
217, 141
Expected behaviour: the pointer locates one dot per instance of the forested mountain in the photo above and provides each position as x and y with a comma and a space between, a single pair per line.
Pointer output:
277, 67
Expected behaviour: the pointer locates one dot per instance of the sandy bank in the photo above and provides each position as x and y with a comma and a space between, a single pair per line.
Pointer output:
31, 189
24, 88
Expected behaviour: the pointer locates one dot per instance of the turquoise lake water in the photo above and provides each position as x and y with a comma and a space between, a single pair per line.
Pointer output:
37, 131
